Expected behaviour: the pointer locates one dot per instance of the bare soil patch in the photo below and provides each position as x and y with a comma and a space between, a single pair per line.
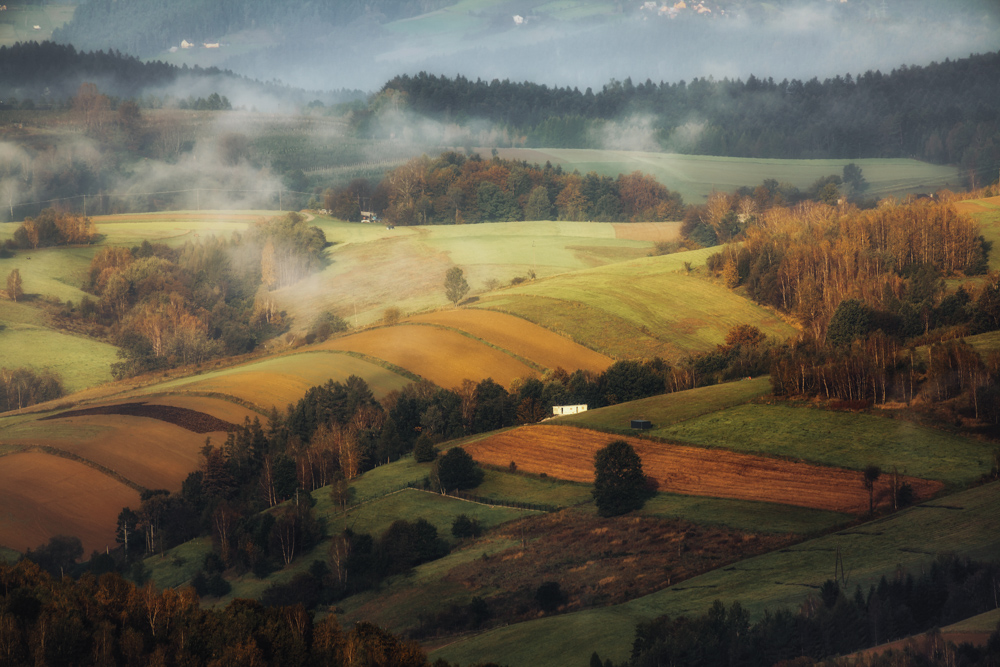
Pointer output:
520, 337
186, 418
568, 453
43, 495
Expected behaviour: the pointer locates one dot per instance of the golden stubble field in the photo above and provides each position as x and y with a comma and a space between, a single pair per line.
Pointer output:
520, 337
568, 453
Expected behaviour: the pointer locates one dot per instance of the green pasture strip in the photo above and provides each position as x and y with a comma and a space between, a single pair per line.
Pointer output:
514, 487
459, 17
682, 312
745, 515
696, 176
8, 555
843, 439
987, 622
79, 362
966, 523
374, 518
57, 272
667, 409
989, 227
982, 343
401, 600
176, 567
10, 449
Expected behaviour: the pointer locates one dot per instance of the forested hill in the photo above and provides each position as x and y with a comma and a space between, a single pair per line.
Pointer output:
145, 27
52, 73
945, 112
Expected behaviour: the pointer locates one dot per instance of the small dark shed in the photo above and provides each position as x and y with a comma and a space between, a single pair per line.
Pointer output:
642, 424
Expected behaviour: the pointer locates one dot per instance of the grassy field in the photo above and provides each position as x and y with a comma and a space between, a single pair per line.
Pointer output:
966, 523
986, 212
671, 408
838, 439
372, 267
749, 516
174, 227
645, 307
17, 23
696, 176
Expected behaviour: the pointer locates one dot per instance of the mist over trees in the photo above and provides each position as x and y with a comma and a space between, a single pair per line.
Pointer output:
945, 112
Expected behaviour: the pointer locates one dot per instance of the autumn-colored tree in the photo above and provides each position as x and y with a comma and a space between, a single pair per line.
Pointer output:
91, 107
15, 286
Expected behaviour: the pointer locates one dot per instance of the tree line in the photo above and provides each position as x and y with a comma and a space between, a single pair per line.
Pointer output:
831, 623
106, 620
457, 189
943, 112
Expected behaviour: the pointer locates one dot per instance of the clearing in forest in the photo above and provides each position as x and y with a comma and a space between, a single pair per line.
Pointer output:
568, 453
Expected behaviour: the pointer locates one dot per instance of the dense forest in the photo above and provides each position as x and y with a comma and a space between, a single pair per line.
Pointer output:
831, 624
456, 189
944, 112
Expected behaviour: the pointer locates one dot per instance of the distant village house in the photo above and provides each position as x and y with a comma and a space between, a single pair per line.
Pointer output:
559, 410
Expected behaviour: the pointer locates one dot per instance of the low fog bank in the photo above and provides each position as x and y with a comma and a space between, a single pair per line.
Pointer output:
813, 39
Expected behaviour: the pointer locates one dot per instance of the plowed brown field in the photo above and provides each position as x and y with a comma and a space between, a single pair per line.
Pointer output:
977, 205
568, 453
444, 357
43, 495
521, 337
186, 418
648, 231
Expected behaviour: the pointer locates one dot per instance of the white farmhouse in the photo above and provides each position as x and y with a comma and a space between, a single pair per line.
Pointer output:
559, 410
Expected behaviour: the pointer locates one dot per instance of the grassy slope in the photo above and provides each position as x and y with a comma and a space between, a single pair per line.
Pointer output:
670, 408
783, 578
838, 438
372, 267
645, 307
18, 22
695, 176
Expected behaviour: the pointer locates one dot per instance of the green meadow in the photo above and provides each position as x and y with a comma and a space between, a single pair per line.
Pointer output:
843, 439
640, 308
17, 23
670, 408
967, 523
696, 176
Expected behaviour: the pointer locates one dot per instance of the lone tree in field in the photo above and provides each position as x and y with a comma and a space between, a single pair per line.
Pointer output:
872, 473
457, 470
15, 289
455, 287
619, 483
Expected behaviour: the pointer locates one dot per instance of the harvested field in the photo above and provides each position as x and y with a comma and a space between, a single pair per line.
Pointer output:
43, 495
648, 231
568, 453
444, 357
520, 337
186, 418
283, 379
978, 205
149, 452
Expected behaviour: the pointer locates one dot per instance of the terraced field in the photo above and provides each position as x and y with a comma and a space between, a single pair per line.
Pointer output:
568, 453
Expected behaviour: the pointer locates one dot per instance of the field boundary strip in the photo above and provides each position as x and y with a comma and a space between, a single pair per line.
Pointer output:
474, 499
527, 362
61, 453
236, 400
398, 370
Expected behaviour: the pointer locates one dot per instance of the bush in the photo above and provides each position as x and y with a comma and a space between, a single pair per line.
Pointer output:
463, 526
549, 596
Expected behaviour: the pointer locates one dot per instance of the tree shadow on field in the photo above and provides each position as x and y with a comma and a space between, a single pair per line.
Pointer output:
470, 300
